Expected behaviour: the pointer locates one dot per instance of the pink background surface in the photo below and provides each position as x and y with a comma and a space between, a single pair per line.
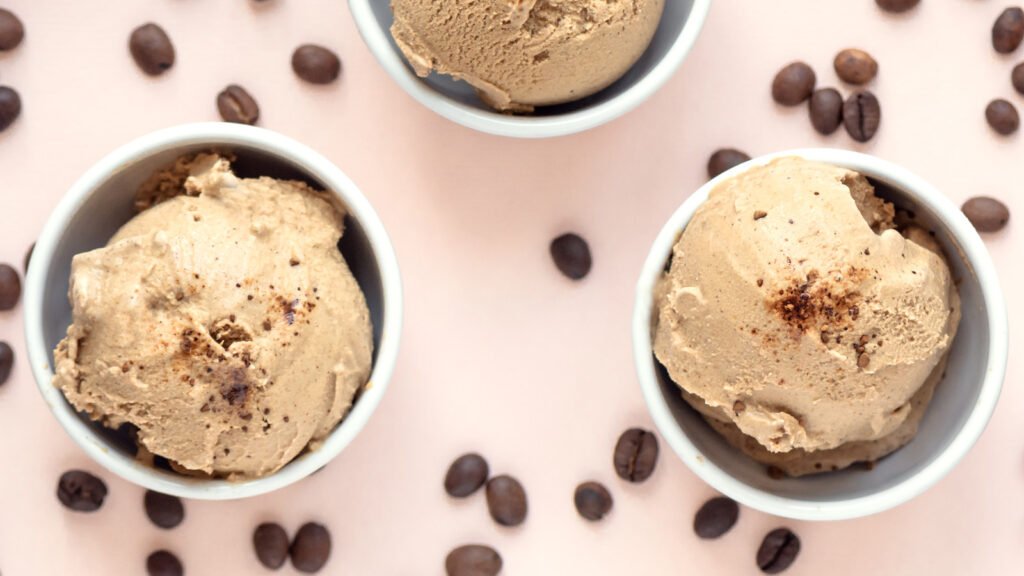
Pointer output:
500, 353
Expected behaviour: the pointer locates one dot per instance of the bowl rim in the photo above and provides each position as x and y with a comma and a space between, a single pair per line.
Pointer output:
975, 254
499, 124
214, 134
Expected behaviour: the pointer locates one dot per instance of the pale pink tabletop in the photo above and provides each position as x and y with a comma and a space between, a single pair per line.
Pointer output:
500, 353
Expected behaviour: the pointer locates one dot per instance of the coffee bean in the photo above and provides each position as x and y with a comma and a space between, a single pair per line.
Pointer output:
636, 455
725, 159
572, 256
271, 544
12, 31
6, 361
473, 560
466, 475
1002, 116
826, 110
986, 214
793, 84
897, 6
81, 491
855, 66
164, 510
778, 551
1017, 78
311, 548
593, 501
506, 500
28, 255
1008, 31
236, 105
316, 64
862, 115
152, 49
716, 517
10, 287
10, 107
163, 563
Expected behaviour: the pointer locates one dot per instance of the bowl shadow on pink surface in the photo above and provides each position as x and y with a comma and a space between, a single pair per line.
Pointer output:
105, 212
945, 417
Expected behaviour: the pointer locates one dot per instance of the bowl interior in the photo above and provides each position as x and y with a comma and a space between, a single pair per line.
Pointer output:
672, 23
110, 206
950, 409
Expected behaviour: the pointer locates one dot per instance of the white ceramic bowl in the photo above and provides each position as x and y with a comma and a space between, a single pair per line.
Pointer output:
101, 201
456, 101
961, 408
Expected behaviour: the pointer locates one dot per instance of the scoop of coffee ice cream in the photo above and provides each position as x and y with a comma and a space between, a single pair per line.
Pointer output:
798, 318
222, 322
519, 54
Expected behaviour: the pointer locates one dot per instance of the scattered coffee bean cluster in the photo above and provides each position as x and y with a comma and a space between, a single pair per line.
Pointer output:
1007, 36
860, 113
10, 294
12, 32
634, 460
81, 491
778, 549
988, 214
506, 503
309, 551
153, 52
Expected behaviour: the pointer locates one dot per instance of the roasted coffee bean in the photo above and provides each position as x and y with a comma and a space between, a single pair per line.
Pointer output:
466, 475
793, 84
826, 110
236, 105
862, 115
271, 544
716, 517
316, 64
164, 510
152, 49
1002, 116
725, 159
1017, 78
855, 66
81, 491
506, 500
28, 255
10, 106
593, 501
897, 6
636, 455
12, 31
473, 560
1008, 31
571, 254
778, 551
10, 287
163, 563
6, 361
986, 214
311, 548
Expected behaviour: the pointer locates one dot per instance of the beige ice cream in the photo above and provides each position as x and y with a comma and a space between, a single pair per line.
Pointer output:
222, 321
800, 322
519, 54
